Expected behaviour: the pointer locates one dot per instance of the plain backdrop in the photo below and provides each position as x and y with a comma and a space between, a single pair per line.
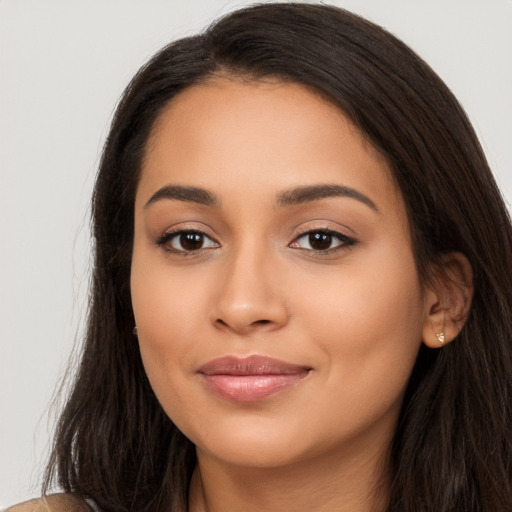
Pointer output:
63, 65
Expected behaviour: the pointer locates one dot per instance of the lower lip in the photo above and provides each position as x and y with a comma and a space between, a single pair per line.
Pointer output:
251, 388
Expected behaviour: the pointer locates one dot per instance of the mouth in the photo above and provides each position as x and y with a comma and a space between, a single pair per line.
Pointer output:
252, 378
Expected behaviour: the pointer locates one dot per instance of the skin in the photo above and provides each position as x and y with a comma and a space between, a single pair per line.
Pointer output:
355, 316
54, 503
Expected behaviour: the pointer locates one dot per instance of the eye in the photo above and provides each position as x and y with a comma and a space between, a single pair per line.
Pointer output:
186, 241
322, 241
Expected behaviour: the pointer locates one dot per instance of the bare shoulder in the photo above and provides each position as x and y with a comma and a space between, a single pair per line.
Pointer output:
53, 503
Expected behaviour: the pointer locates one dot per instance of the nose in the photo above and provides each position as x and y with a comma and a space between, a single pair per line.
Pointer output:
250, 297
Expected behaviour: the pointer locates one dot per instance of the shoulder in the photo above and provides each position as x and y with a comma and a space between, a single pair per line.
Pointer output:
53, 503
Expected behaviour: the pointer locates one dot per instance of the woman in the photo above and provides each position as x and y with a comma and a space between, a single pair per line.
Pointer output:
300, 297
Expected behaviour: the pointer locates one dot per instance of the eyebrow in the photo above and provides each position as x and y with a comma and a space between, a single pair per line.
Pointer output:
291, 197
305, 194
183, 193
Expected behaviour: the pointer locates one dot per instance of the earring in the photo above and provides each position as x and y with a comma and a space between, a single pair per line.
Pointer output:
135, 331
440, 338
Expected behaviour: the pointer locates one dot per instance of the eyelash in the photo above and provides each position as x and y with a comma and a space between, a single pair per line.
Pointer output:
345, 242
165, 240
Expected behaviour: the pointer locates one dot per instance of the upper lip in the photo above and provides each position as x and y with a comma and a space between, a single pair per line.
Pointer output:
252, 365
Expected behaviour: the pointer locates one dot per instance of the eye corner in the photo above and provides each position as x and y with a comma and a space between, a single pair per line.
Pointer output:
186, 242
319, 241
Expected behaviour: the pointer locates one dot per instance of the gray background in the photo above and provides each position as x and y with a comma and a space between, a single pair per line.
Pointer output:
63, 66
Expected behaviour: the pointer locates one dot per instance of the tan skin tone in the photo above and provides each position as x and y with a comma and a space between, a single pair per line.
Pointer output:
322, 278
54, 503
351, 309
252, 456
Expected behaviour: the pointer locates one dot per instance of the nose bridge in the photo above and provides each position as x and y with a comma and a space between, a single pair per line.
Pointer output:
249, 297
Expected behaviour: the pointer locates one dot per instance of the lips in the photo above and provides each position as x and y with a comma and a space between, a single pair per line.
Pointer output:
250, 379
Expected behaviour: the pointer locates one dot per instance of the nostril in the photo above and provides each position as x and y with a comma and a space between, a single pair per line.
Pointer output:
247, 326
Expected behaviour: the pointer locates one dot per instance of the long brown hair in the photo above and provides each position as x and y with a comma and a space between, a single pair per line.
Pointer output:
452, 450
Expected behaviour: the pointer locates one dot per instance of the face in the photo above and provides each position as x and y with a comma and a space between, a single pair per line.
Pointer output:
278, 305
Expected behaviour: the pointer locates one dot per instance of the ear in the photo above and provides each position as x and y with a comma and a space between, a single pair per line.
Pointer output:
448, 300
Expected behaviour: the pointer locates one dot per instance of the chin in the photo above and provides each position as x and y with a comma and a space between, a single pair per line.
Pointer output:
254, 453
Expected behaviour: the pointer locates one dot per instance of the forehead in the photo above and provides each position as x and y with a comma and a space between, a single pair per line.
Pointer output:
254, 133
265, 103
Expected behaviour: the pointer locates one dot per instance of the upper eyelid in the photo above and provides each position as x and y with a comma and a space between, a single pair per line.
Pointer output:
335, 233
188, 227
319, 230
172, 233
316, 226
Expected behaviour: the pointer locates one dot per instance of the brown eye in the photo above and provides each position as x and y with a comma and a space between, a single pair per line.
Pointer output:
320, 241
186, 241
191, 241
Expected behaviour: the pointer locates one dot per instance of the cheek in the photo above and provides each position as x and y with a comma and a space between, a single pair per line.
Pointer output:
169, 310
367, 321
167, 315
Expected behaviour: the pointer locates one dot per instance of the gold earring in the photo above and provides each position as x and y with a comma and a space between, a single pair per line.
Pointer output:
440, 337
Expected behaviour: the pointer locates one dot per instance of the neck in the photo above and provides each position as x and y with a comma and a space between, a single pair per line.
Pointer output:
321, 485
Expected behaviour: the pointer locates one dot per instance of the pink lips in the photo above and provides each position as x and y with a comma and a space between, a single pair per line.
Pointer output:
250, 379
